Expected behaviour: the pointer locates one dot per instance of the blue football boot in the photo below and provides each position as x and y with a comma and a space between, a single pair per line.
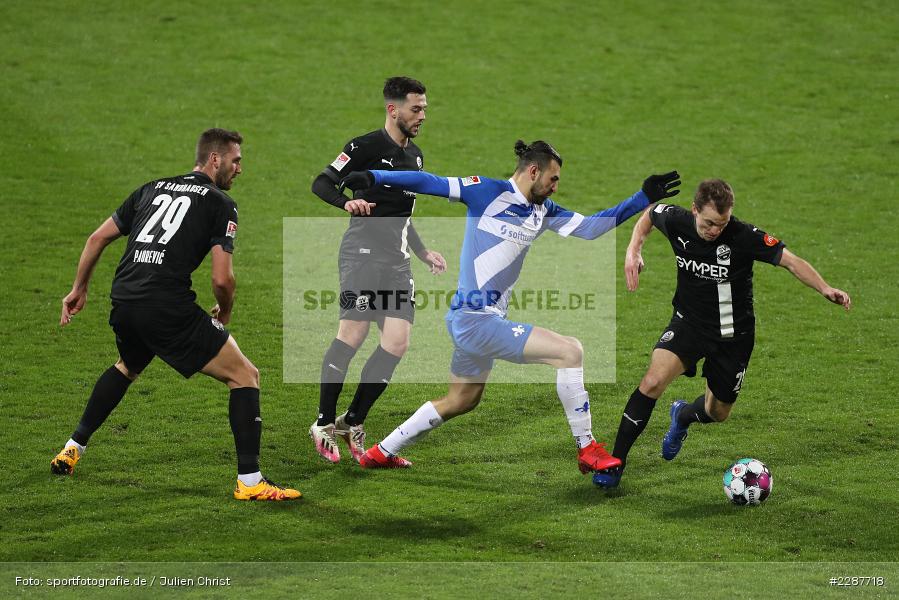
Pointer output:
674, 438
608, 478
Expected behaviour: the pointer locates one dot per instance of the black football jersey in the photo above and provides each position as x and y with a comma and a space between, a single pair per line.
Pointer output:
384, 240
171, 225
714, 279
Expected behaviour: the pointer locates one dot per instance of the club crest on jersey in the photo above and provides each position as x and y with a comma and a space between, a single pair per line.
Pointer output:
341, 161
231, 230
667, 336
420, 163
473, 180
723, 252
217, 324
770, 240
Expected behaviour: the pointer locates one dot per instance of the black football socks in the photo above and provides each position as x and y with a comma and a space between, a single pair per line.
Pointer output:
108, 392
694, 413
376, 375
334, 366
633, 421
246, 425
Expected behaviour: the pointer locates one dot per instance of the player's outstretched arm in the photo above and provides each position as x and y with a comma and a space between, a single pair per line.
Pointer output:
633, 258
420, 182
655, 188
74, 301
223, 284
807, 274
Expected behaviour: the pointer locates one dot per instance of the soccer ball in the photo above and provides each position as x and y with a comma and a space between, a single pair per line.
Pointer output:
748, 481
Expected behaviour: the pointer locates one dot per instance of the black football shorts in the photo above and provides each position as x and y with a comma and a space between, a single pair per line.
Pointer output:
725, 360
370, 290
184, 336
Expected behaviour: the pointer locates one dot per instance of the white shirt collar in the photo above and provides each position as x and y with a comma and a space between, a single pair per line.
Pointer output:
516, 193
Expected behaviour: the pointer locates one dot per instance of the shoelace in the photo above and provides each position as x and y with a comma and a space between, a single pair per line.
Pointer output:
358, 436
598, 450
328, 439
273, 484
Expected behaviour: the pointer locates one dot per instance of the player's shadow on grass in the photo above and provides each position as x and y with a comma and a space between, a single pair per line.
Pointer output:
430, 527
589, 495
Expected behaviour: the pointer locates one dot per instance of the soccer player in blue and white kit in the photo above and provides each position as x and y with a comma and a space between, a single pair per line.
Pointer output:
505, 218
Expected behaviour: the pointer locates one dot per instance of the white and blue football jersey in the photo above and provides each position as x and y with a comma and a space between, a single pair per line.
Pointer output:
501, 227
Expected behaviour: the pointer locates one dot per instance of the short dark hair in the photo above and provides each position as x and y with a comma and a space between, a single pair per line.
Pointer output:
717, 191
215, 140
538, 152
396, 88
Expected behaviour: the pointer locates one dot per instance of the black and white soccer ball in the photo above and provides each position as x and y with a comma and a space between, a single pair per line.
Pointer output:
748, 482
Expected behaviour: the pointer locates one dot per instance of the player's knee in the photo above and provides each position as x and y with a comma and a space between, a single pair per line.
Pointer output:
246, 375
251, 374
395, 347
352, 333
652, 385
573, 353
719, 411
124, 370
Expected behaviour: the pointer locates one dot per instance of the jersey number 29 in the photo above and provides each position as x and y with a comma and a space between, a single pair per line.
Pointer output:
171, 212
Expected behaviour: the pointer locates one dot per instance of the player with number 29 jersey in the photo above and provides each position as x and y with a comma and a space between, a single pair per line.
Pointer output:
157, 264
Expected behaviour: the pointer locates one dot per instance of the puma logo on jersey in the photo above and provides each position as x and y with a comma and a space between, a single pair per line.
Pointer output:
683, 242
387, 162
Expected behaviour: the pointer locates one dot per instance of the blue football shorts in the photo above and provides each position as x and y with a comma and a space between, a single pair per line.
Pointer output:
480, 337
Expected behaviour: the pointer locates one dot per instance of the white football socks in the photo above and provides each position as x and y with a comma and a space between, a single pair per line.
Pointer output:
72, 442
250, 479
413, 429
576, 402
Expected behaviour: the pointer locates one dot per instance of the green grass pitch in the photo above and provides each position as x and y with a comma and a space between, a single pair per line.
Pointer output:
795, 104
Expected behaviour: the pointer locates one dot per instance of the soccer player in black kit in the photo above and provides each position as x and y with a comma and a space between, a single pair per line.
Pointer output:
172, 224
373, 257
713, 317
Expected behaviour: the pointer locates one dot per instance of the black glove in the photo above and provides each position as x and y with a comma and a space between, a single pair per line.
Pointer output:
659, 187
357, 180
